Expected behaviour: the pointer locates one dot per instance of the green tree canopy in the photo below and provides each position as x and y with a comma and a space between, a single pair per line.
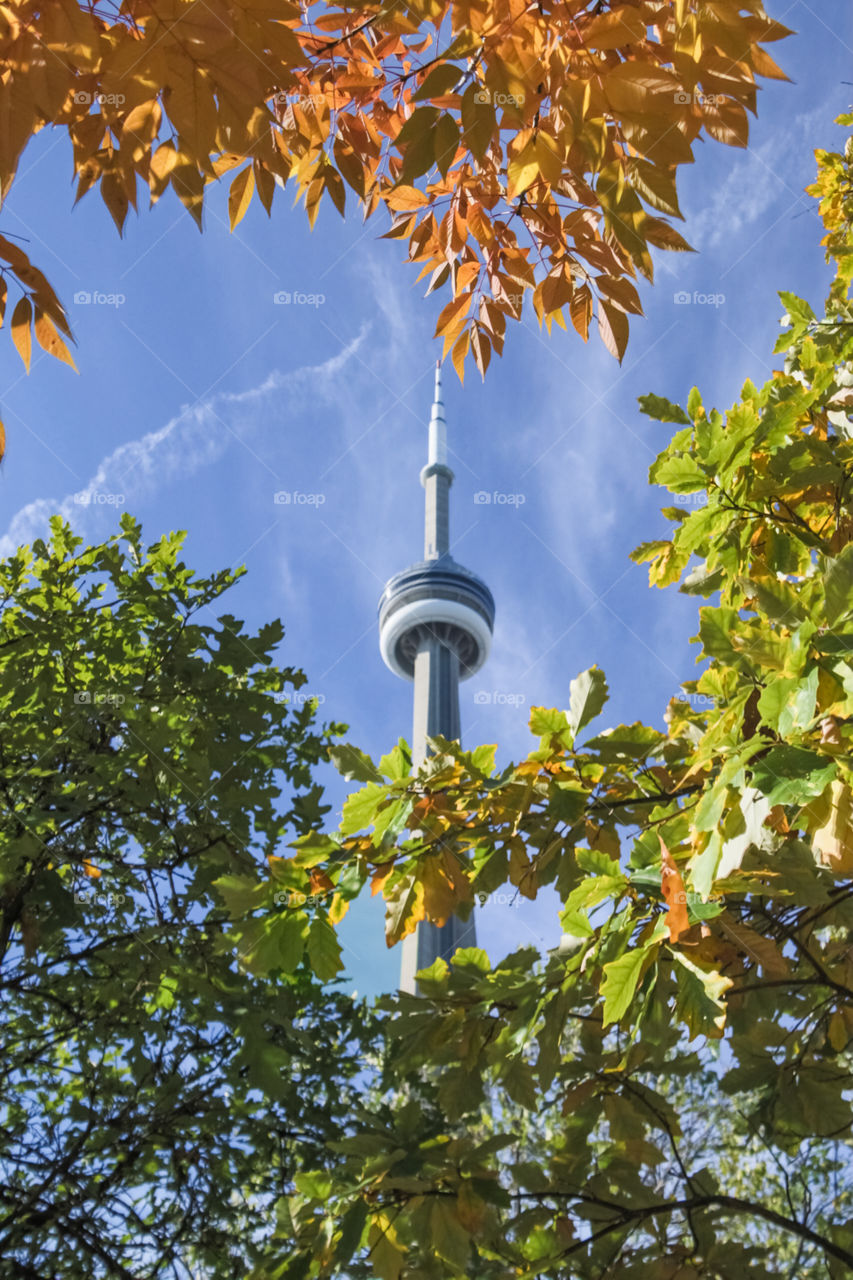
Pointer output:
159, 1092
706, 880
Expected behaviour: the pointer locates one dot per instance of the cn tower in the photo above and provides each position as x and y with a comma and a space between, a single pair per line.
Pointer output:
435, 629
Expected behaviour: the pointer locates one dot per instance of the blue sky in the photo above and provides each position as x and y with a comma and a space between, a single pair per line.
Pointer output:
200, 398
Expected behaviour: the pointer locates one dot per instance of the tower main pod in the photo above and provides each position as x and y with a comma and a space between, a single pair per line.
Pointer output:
435, 629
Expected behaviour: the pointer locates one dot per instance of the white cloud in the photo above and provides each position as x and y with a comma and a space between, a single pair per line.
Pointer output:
196, 437
757, 180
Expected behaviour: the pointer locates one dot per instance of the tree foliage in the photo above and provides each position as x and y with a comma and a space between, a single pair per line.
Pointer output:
706, 881
159, 1092
520, 148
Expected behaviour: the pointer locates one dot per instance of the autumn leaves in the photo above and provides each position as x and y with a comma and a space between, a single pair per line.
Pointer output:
520, 149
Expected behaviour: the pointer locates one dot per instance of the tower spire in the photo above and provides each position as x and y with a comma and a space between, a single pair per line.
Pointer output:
437, 478
435, 628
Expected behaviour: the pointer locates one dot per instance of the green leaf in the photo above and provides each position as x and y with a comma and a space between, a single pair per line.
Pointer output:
799, 310
547, 721
679, 475
315, 1185
589, 893
587, 695
353, 763
352, 1230
621, 978
359, 811
386, 1256
698, 1001
289, 932
324, 950
792, 775
663, 410
397, 764
838, 586
567, 801
242, 894
788, 705
448, 1238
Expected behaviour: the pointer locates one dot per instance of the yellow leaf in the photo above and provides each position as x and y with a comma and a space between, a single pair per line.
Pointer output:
141, 126
49, 340
188, 185
623, 25
460, 351
266, 184
452, 317
21, 319
240, 195
833, 839
548, 158
613, 328
338, 907
114, 197
522, 171
404, 198
580, 309
481, 350
163, 162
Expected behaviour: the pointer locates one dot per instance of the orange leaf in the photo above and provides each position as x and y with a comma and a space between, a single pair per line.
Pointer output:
49, 340
460, 351
672, 888
320, 882
240, 195
405, 198
91, 870
452, 317
380, 875
481, 350
613, 327
581, 310
21, 336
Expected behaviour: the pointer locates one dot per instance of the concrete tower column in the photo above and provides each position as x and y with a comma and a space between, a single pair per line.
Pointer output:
436, 479
435, 628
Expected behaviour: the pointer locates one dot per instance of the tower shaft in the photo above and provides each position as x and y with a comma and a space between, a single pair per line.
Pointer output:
436, 479
435, 628
436, 709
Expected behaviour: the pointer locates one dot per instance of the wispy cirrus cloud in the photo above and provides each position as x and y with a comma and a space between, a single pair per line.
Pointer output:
195, 438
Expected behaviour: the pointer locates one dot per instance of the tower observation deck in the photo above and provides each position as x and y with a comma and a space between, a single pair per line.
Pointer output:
435, 629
